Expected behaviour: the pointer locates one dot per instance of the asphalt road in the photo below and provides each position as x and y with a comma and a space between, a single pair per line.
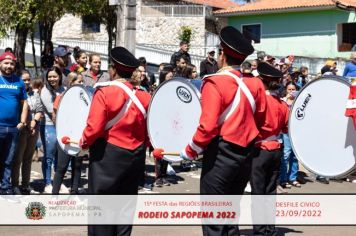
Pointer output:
188, 182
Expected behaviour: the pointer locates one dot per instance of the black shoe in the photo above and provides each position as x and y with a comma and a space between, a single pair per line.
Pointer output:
184, 167
16, 191
74, 192
166, 182
193, 166
322, 180
6, 192
159, 182
147, 187
337, 180
27, 191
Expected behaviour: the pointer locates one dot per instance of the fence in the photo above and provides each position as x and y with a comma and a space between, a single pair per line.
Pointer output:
157, 53
176, 11
160, 55
100, 47
211, 40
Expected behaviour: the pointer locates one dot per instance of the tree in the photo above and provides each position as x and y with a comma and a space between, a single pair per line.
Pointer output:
50, 12
23, 15
185, 33
101, 9
18, 15
109, 19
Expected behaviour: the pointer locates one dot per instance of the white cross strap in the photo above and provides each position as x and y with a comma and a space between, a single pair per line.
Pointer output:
133, 98
232, 107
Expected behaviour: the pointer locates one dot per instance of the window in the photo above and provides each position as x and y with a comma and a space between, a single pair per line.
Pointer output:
346, 36
252, 32
90, 24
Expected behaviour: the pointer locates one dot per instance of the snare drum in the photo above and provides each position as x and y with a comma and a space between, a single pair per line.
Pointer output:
72, 116
173, 115
322, 137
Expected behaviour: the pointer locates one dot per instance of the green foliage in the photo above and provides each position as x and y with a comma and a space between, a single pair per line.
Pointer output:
185, 33
18, 13
26, 13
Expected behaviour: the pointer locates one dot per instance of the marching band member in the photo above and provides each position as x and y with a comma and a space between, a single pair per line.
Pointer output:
267, 153
232, 110
116, 134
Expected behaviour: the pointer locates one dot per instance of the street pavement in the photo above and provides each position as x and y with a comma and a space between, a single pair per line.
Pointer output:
187, 182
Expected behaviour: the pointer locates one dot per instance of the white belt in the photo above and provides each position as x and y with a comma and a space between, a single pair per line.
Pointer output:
270, 138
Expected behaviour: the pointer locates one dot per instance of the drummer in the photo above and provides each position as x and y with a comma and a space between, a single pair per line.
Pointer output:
117, 154
267, 153
226, 136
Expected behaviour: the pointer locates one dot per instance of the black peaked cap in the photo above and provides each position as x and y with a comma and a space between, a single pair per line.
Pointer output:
234, 40
122, 56
267, 71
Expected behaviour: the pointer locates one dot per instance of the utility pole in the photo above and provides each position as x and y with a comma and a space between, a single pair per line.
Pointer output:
126, 23
120, 12
130, 26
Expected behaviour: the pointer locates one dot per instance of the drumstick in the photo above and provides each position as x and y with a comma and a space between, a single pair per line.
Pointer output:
66, 140
158, 153
171, 153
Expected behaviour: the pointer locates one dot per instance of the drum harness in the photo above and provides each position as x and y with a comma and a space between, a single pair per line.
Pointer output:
124, 109
233, 105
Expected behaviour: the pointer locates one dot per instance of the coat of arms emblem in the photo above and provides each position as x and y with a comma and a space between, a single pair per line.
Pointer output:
35, 211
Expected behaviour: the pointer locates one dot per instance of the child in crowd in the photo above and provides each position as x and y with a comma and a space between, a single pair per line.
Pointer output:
63, 158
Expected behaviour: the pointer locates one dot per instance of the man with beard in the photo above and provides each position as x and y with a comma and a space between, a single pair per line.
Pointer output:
61, 60
183, 51
209, 65
12, 100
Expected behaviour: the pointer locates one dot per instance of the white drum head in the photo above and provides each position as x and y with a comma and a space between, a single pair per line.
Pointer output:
322, 137
72, 116
173, 116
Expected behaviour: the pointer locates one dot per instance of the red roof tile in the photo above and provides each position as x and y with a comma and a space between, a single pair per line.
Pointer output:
222, 4
273, 5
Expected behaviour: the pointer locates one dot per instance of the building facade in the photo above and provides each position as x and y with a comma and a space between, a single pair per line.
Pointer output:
314, 29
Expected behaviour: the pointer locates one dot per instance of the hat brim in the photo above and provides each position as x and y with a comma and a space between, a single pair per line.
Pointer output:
235, 41
269, 72
124, 59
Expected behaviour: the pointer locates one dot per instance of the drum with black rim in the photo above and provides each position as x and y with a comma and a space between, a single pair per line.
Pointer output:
173, 115
322, 137
72, 116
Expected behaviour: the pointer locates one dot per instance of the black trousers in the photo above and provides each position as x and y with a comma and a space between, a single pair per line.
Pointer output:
62, 166
114, 170
161, 168
226, 170
264, 179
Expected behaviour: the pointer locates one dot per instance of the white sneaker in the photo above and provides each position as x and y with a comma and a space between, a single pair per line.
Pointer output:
170, 170
63, 189
48, 189
248, 188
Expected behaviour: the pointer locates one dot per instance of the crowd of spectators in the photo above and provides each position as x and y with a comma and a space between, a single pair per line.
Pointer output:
31, 111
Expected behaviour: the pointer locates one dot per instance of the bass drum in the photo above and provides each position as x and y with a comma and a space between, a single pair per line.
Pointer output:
72, 116
173, 115
322, 137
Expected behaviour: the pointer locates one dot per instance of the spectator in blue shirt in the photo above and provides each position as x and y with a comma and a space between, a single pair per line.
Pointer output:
350, 68
12, 100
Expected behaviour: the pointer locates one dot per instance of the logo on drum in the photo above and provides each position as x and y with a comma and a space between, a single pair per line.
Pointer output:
82, 97
184, 95
300, 112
